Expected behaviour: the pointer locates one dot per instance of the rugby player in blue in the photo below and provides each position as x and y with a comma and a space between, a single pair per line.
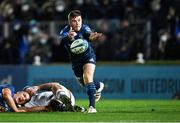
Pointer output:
7, 102
83, 64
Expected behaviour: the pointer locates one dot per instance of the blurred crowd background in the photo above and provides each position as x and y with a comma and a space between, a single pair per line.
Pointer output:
150, 29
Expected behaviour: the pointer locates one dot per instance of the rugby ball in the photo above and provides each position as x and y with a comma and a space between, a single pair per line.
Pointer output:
79, 46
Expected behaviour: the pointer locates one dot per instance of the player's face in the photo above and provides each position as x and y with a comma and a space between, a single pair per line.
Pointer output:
76, 23
21, 97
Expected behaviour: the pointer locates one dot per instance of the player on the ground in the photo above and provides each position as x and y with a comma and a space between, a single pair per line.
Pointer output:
83, 64
49, 94
58, 98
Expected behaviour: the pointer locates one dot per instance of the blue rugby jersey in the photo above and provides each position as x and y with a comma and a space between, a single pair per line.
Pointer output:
2, 101
84, 33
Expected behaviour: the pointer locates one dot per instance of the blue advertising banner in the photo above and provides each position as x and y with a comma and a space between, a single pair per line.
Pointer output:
121, 82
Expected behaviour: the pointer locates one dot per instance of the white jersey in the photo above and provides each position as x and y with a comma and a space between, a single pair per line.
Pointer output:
43, 98
40, 99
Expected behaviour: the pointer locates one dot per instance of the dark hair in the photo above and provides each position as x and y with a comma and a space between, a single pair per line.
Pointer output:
74, 13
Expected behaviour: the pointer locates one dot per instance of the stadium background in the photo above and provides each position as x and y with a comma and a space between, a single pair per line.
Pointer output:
136, 33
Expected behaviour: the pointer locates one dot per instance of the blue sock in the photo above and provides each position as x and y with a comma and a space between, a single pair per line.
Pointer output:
97, 84
91, 90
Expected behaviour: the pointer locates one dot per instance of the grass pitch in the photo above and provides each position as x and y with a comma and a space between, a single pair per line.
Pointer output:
108, 111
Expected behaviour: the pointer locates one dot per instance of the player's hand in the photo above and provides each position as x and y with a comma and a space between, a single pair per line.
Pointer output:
72, 33
32, 90
95, 36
